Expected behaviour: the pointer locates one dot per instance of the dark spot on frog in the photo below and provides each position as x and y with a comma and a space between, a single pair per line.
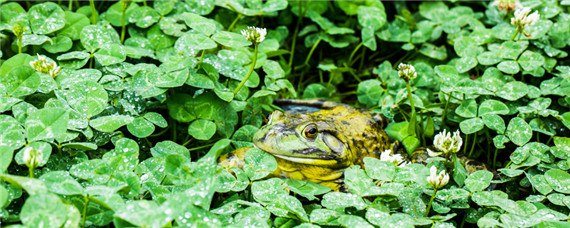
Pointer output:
345, 122
306, 151
364, 135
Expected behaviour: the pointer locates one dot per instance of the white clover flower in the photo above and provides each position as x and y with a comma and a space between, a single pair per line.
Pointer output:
446, 143
437, 181
45, 66
522, 18
432, 153
397, 159
254, 34
407, 72
54, 71
31, 157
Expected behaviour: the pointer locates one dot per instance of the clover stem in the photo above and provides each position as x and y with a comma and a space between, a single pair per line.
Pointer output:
202, 57
250, 70
473, 144
466, 142
123, 21
444, 112
495, 157
93, 12
430, 201
31, 172
70, 5
20, 44
354, 52
409, 89
311, 52
517, 31
234, 22
84, 213
295, 34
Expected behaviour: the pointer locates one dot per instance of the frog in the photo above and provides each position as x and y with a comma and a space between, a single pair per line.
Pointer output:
318, 141
318, 146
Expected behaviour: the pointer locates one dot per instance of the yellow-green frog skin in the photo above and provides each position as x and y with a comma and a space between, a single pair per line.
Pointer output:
318, 146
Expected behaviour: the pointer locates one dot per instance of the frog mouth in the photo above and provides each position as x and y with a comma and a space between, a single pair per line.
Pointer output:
308, 160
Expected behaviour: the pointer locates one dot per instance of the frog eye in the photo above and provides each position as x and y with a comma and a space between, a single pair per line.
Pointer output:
310, 131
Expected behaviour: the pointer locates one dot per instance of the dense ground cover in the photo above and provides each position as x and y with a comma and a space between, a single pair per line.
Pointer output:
114, 113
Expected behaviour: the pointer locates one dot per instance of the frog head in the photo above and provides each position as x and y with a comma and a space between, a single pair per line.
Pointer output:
311, 139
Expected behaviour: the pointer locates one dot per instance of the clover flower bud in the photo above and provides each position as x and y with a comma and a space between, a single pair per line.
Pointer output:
436, 180
407, 72
446, 143
45, 66
18, 29
397, 159
31, 157
254, 34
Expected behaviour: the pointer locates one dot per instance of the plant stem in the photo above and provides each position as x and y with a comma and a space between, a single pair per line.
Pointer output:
311, 52
295, 34
445, 112
93, 12
202, 57
353, 53
31, 172
123, 21
70, 5
409, 89
84, 213
465, 147
430, 202
234, 22
473, 144
495, 157
515, 35
20, 44
250, 70
201, 147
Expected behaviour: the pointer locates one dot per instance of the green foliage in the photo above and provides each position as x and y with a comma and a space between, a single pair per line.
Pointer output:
150, 93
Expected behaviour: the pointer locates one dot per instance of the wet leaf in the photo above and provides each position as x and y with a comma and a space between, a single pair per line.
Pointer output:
491, 106
46, 18
62, 183
140, 127
58, 44
110, 123
47, 124
530, 60
518, 131
21, 81
369, 92
74, 23
87, 98
478, 180
559, 180
110, 54
512, 91
509, 67
258, 164
144, 16
202, 129
494, 122
191, 42
467, 109
340, 200
44, 210
470, 126
94, 37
